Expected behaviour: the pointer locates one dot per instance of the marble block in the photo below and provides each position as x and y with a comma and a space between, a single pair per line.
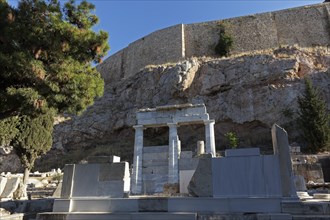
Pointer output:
10, 188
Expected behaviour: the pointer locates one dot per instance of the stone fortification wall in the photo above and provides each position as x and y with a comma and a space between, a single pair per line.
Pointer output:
306, 26
159, 47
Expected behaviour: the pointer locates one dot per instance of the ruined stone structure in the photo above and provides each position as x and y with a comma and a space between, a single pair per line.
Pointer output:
305, 26
149, 158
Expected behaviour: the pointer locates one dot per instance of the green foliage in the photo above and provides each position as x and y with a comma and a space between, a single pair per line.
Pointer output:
46, 56
34, 137
288, 112
314, 119
8, 130
48, 49
225, 42
57, 177
232, 139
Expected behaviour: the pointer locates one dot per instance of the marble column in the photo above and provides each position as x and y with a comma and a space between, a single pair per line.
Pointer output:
173, 166
209, 137
137, 160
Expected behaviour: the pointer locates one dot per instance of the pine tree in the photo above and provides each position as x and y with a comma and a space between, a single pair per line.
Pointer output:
46, 56
314, 119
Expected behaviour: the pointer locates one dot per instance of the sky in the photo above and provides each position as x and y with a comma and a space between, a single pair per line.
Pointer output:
127, 21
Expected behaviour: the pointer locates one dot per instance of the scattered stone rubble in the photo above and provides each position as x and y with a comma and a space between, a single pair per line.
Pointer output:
39, 185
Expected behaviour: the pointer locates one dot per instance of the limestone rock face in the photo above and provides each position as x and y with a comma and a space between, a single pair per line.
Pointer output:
246, 93
10, 163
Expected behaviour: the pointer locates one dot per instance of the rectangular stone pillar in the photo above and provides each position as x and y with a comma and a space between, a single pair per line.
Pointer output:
173, 167
209, 137
281, 149
137, 161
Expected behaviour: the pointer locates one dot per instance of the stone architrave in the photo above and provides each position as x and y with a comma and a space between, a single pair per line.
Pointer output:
137, 160
173, 167
282, 150
209, 137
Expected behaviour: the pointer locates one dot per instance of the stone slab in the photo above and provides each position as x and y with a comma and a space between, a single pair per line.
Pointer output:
61, 205
66, 190
85, 180
251, 176
156, 170
306, 208
3, 181
105, 179
200, 184
57, 192
153, 205
299, 182
97, 204
160, 162
114, 171
155, 149
241, 152
274, 216
226, 205
10, 188
153, 183
110, 189
118, 216
282, 151
188, 163
173, 204
185, 177
103, 159
325, 196
153, 156
16, 216
186, 154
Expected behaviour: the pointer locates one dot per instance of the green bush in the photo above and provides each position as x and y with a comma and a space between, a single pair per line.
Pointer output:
225, 42
314, 119
232, 139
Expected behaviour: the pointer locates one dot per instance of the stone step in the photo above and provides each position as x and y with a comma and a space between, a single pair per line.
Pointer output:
155, 170
306, 208
118, 216
16, 216
155, 162
155, 156
325, 196
155, 177
310, 217
155, 149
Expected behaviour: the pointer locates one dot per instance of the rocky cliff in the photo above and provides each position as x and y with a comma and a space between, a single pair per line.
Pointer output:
245, 93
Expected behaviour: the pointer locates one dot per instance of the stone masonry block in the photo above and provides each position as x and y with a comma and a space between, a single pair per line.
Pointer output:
67, 181
308, 30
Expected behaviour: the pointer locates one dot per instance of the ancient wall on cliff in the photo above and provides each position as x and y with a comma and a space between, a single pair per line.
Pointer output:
305, 26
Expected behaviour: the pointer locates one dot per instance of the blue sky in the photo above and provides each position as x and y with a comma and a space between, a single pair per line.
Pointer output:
127, 21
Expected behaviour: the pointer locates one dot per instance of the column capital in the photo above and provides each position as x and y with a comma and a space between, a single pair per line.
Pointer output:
206, 122
138, 127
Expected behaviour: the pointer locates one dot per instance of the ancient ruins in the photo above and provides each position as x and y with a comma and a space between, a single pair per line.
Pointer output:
167, 183
147, 160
